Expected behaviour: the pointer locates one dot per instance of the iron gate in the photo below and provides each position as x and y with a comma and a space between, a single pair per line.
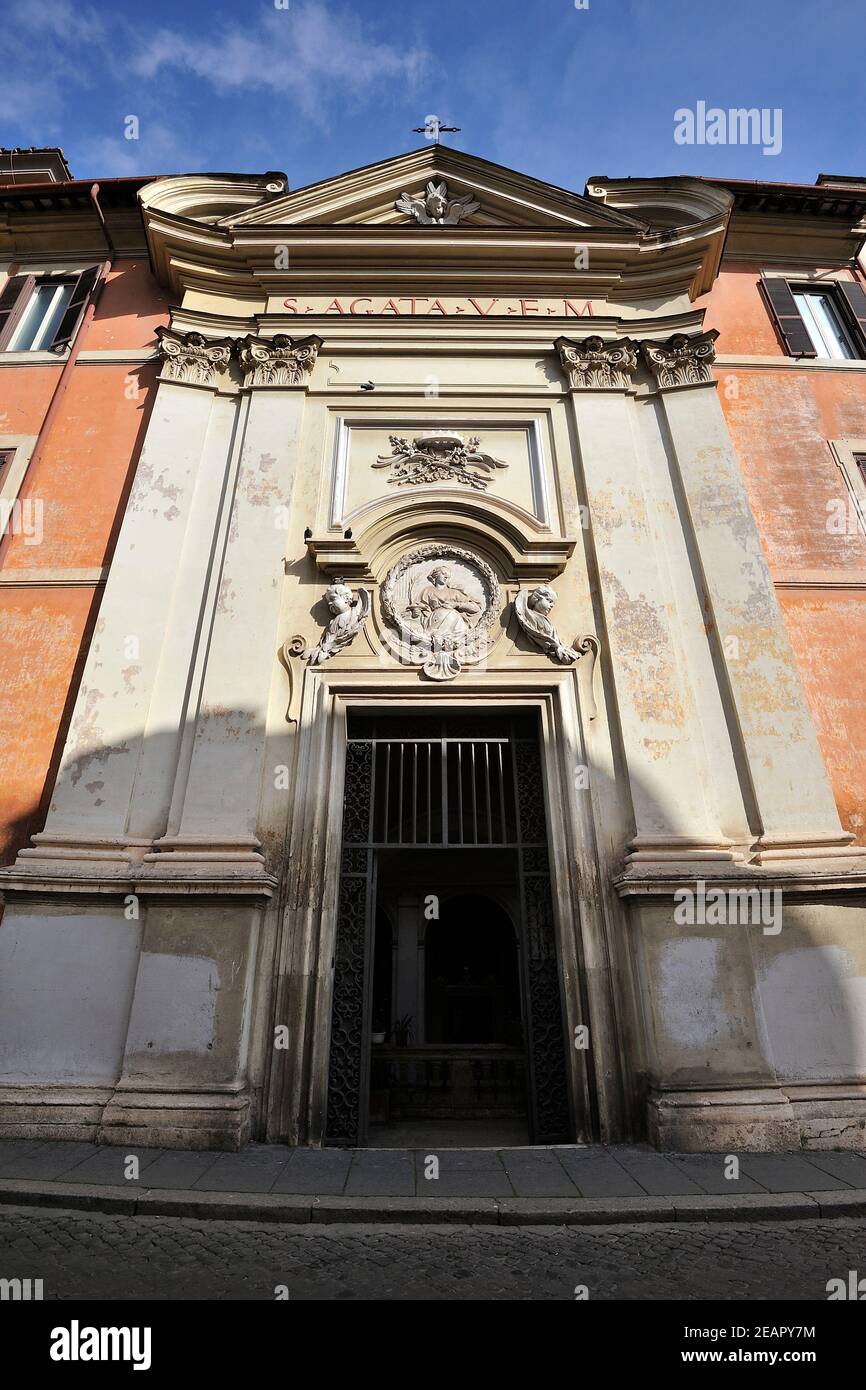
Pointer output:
427, 783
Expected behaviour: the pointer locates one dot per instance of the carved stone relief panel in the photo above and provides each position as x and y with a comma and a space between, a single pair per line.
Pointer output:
437, 207
440, 603
350, 613
439, 456
503, 459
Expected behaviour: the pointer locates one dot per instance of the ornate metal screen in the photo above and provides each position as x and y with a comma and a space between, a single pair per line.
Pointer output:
428, 783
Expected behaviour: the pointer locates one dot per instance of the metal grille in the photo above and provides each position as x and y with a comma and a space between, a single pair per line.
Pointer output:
411, 784
441, 793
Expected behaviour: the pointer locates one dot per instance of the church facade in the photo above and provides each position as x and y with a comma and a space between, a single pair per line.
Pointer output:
466, 720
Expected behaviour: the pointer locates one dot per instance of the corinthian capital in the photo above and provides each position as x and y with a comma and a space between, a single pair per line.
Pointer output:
191, 358
593, 364
277, 361
682, 360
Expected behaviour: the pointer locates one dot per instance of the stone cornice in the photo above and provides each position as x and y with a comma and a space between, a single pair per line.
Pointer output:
591, 364
344, 235
802, 880
425, 336
681, 360
677, 199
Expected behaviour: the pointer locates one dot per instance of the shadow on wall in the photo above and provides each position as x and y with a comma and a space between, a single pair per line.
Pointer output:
777, 999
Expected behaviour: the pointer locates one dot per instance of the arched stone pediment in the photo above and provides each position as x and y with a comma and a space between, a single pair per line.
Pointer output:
517, 545
370, 196
249, 235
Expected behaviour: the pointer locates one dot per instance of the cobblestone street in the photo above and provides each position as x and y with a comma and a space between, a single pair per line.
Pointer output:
90, 1256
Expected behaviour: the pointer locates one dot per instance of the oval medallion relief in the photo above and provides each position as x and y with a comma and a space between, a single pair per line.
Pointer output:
442, 602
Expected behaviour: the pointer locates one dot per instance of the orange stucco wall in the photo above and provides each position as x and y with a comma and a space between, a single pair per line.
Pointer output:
82, 472
782, 421
42, 634
80, 477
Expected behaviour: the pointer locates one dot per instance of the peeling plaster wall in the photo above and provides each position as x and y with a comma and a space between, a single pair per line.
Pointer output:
801, 1019
781, 422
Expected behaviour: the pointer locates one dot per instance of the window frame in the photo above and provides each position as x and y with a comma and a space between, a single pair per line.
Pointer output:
838, 324
848, 453
21, 447
86, 282
829, 283
42, 282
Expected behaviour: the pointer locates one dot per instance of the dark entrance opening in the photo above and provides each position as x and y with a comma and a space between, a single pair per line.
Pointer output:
446, 1017
472, 985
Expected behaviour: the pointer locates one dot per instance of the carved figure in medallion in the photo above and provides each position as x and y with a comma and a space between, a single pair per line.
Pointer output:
441, 612
441, 606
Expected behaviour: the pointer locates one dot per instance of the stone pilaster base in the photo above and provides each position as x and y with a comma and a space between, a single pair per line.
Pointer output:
166, 1120
136, 1119
52, 1112
772, 1118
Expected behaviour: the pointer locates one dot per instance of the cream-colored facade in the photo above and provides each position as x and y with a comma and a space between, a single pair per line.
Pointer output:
364, 382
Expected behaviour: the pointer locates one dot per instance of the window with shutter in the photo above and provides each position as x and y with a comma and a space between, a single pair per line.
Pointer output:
787, 318
821, 320
40, 313
6, 457
850, 455
75, 307
13, 301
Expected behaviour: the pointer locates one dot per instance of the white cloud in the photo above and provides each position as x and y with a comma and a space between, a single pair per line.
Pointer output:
72, 69
51, 48
308, 53
157, 151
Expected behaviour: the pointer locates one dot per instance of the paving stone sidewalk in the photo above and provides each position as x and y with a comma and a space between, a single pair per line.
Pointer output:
507, 1184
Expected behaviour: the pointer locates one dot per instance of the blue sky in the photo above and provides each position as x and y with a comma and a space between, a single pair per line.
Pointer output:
316, 87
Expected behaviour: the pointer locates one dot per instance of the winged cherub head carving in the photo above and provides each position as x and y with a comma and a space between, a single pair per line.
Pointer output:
436, 208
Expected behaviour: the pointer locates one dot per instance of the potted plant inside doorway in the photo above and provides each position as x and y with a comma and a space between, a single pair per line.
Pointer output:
402, 1030
379, 1031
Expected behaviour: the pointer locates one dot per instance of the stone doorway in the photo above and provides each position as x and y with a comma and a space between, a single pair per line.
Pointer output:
446, 1021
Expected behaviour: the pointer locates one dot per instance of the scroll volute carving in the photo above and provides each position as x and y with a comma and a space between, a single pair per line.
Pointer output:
350, 613
533, 608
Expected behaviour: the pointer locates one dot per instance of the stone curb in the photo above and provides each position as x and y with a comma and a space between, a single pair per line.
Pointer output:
411, 1211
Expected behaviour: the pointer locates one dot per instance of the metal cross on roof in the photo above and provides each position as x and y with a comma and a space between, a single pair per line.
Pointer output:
433, 128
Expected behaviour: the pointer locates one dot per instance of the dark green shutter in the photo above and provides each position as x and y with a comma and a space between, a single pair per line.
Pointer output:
13, 302
786, 316
81, 293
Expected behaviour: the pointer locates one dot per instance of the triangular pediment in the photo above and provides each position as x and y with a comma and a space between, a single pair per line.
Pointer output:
484, 194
